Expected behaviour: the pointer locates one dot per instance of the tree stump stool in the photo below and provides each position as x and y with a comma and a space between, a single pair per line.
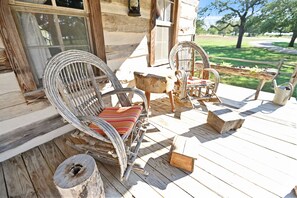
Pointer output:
223, 120
78, 176
156, 83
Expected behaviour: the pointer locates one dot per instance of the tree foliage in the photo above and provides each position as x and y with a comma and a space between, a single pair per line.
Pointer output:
280, 16
236, 13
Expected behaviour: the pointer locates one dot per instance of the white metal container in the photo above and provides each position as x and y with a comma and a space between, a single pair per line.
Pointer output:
282, 93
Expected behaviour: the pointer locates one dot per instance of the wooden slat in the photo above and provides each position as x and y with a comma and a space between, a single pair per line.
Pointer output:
279, 192
22, 135
40, 174
206, 183
21, 109
17, 179
225, 175
153, 157
52, 155
122, 9
120, 23
3, 192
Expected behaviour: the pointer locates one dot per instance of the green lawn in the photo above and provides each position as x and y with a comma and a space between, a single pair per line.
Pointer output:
284, 45
219, 46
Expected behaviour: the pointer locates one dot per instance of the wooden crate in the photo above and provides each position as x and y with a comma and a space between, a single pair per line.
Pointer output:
184, 152
223, 120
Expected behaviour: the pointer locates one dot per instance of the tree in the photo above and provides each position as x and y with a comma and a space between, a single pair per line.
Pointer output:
236, 13
200, 26
280, 15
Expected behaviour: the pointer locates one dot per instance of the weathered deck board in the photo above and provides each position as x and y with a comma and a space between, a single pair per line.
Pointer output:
256, 160
250, 149
280, 193
17, 180
226, 175
169, 174
3, 192
205, 184
40, 174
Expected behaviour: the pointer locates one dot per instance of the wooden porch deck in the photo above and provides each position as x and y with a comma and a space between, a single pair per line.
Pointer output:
258, 160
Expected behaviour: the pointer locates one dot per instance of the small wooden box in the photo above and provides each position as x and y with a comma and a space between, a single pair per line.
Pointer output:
184, 152
223, 120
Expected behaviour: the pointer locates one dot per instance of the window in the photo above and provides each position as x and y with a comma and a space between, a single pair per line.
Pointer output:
48, 27
164, 27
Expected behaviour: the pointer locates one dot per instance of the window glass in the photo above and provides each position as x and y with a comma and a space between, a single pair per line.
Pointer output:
164, 10
162, 43
78, 4
45, 35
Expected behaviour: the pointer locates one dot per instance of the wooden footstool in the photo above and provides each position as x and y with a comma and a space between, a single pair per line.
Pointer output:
184, 152
156, 82
223, 120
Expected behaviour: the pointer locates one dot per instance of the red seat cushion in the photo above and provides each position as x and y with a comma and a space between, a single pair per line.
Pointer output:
198, 81
121, 118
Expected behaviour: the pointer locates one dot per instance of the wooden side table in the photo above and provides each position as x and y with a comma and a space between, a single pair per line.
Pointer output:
163, 82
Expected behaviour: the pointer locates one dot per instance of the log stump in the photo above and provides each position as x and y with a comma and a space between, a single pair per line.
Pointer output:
78, 176
223, 120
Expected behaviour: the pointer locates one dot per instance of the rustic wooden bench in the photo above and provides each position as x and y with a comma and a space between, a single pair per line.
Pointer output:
263, 76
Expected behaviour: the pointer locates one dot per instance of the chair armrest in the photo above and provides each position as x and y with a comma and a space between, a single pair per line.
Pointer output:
113, 136
128, 90
217, 77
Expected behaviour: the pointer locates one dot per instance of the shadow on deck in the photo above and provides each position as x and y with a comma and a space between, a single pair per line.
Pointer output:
257, 160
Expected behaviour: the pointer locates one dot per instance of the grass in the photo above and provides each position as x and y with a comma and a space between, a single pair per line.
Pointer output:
219, 46
284, 45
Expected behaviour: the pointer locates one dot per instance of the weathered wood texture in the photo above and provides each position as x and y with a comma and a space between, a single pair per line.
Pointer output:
17, 180
78, 176
40, 173
3, 191
257, 160
14, 48
184, 152
186, 23
97, 30
22, 135
243, 72
125, 37
223, 120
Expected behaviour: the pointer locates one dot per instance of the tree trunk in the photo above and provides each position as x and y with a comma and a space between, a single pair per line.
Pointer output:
240, 36
293, 38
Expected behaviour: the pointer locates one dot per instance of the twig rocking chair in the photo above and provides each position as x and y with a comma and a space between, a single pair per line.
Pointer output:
193, 70
110, 134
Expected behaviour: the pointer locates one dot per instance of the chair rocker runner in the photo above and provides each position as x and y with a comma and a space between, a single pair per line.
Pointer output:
193, 70
110, 134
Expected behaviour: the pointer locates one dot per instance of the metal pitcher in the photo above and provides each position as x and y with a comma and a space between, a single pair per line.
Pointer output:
282, 93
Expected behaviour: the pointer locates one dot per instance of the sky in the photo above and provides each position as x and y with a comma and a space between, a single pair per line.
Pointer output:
213, 18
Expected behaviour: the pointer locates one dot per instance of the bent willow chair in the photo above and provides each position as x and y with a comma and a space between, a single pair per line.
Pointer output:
111, 134
193, 70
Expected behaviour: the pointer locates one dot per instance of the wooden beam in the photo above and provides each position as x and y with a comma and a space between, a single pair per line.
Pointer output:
152, 32
14, 48
97, 29
176, 17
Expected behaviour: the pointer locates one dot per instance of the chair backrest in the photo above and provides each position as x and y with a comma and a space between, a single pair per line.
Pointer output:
70, 84
185, 56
